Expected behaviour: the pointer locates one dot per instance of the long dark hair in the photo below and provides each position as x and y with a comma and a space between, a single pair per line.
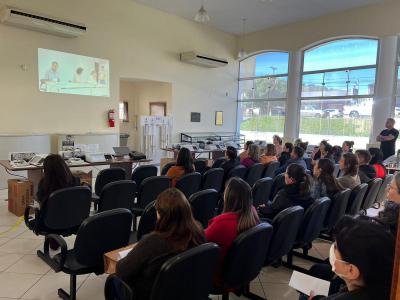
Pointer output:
56, 176
185, 160
238, 199
301, 178
376, 156
326, 176
350, 164
360, 240
176, 223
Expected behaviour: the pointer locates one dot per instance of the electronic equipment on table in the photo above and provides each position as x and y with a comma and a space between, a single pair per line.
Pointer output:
75, 161
126, 152
95, 157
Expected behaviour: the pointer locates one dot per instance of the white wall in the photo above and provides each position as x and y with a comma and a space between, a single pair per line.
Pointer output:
140, 42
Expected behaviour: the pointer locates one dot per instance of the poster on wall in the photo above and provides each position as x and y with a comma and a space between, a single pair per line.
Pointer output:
67, 73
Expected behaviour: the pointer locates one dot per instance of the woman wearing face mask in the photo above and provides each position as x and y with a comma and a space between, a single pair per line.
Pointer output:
362, 256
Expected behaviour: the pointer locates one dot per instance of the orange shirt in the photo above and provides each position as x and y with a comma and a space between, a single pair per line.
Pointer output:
175, 173
267, 159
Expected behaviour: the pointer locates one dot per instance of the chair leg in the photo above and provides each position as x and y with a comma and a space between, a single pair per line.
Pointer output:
250, 295
72, 286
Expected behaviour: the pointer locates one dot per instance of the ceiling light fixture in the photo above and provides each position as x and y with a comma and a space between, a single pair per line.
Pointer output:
202, 15
242, 53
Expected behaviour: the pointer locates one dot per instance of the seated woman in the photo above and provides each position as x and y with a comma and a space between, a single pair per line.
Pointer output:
356, 242
231, 161
253, 156
238, 216
324, 184
176, 231
337, 152
269, 155
285, 154
277, 141
349, 169
245, 153
324, 151
347, 146
184, 165
295, 192
56, 175
377, 162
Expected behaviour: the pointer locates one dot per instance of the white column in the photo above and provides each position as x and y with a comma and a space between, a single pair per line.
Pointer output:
293, 98
384, 99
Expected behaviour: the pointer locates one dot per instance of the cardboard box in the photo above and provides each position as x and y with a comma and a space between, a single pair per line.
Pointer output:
86, 178
20, 195
111, 258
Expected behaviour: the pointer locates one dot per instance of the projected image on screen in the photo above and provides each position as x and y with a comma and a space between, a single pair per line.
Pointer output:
67, 73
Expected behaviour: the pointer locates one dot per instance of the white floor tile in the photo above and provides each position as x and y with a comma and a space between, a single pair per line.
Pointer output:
274, 291
8, 259
14, 285
21, 246
92, 288
275, 275
29, 264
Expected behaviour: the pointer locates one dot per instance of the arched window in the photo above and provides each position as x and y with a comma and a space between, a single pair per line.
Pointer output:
338, 86
262, 95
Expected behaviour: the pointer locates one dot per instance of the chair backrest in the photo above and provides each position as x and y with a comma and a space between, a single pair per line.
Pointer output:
336, 171
66, 209
356, 198
203, 205
261, 191
313, 221
116, 289
150, 188
308, 163
218, 162
117, 194
373, 188
189, 184
101, 233
245, 258
337, 209
382, 191
147, 221
200, 165
188, 275
167, 166
142, 172
106, 176
286, 225
271, 168
213, 179
277, 184
238, 171
254, 173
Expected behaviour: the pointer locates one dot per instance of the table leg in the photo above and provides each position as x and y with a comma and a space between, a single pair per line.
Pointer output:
35, 176
127, 166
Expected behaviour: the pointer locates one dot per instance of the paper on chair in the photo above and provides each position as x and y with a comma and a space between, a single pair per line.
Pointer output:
123, 253
306, 283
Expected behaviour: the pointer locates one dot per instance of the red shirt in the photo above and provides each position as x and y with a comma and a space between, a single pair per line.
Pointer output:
380, 171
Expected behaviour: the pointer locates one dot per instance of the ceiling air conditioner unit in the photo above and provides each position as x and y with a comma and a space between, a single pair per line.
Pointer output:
202, 60
38, 22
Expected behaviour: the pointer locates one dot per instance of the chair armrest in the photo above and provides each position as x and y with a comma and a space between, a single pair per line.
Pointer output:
54, 264
27, 218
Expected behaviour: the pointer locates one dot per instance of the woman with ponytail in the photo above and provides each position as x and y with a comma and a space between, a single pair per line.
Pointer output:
296, 192
324, 184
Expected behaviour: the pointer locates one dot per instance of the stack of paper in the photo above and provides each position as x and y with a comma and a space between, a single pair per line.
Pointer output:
305, 283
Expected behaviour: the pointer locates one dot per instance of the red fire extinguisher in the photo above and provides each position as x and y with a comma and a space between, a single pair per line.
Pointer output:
111, 119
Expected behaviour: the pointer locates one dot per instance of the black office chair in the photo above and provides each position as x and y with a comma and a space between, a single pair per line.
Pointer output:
308, 163
270, 169
106, 176
310, 229
98, 234
373, 188
337, 209
167, 166
254, 173
203, 205
118, 194
238, 171
218, 162
188, 275
356, 198
147, 221
149, 190
261, 191
244, 261
286, 225
142, 172
200, 165
213, 179
336, 171
189, 184
116, 289
381, 197
277, 184
62, 213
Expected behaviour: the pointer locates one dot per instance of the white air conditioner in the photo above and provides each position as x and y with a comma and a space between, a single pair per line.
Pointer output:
38, 22
202, 60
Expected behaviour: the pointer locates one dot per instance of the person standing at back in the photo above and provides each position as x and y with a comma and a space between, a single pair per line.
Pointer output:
184, 165
388, 138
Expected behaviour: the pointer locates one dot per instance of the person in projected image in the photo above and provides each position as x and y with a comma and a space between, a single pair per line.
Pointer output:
103, 75
52, 75
93, 77
78, 76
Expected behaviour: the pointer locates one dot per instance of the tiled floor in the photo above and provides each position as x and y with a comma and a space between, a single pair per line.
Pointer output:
24, 276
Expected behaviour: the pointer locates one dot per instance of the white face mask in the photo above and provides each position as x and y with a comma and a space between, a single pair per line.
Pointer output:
333, 259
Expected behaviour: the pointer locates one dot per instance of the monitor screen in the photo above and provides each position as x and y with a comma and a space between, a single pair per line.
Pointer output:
67, 73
